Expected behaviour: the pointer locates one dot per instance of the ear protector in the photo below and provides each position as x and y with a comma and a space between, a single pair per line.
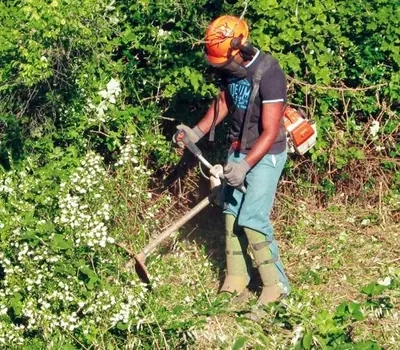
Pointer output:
247, 51
231, 67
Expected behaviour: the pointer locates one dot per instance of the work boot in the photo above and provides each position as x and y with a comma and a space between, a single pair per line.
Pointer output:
241, 298
237, 276
256, 314
273, 289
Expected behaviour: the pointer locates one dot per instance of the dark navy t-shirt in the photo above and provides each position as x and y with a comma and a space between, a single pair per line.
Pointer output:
272, 90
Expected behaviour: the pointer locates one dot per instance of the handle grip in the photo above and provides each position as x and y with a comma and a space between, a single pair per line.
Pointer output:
191, 145
227, 169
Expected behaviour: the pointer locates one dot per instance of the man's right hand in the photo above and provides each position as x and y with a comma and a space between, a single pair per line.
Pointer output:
194, 135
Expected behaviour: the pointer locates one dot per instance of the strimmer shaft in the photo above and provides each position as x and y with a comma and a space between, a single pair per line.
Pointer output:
177, 224
140, 258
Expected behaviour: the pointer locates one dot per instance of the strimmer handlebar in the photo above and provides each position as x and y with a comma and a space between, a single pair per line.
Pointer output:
227, 170
196, 151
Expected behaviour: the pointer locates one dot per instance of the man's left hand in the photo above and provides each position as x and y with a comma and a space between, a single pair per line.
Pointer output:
235, 173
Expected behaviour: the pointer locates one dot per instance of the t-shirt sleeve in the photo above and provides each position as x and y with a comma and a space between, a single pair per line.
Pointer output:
273, 85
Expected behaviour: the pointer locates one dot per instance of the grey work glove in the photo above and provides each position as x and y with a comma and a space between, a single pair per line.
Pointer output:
235, 173
194, 134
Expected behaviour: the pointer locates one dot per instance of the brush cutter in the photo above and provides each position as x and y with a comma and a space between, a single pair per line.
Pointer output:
216, 175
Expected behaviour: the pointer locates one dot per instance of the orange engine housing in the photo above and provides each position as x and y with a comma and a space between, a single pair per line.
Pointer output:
301, 133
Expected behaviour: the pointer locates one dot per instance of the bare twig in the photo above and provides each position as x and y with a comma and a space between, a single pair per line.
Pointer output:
246, 3
320, 87
127, 250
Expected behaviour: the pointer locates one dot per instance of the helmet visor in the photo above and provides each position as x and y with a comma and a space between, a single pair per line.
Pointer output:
230, 67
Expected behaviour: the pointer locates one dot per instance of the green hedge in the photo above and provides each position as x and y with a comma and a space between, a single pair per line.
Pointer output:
86, 78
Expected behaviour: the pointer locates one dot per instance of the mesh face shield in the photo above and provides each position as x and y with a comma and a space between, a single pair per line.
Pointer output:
231, 67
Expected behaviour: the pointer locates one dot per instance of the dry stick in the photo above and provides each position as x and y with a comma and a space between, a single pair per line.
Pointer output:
346, 105
198, 42
246, 3
380, 203
314, 105
316, 86
130, 252
32, 94
385, 137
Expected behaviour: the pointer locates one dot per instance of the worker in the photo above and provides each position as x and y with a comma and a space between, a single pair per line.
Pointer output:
257, 163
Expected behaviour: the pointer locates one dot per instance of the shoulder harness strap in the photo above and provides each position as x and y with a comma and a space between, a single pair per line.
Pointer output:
211, 136
265, 63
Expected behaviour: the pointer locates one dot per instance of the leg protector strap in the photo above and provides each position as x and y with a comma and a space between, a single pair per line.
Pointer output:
260, 245
238, 252
268, 261
237, 260
265, 262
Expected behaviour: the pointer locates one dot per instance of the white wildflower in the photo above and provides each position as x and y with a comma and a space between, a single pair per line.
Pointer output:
104, 94
114, 87
374, 128
112, 99
343, 236
365, 222
298, 332
385, 282
162, 32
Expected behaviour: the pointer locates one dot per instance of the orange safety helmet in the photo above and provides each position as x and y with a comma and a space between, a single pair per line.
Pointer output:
224, 38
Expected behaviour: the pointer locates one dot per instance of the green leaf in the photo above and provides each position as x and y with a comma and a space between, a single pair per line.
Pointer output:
353, 307
178, 309
92, 277
307, 340
68, 347
358, 316
66, 269
122, 326
239, 343
372, 289
60, 242
16, 303
367, 345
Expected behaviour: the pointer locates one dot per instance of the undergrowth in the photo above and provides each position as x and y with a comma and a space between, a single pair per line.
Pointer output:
342, 266
90, 94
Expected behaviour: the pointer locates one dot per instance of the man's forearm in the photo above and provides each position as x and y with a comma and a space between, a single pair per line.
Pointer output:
271, 119
261, 147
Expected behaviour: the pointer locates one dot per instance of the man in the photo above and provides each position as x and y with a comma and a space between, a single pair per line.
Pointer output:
258, 163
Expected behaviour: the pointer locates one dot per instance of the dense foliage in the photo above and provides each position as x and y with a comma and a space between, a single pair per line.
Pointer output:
90, 92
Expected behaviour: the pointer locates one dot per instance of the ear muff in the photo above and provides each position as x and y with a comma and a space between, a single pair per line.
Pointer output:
236, 43
247, 50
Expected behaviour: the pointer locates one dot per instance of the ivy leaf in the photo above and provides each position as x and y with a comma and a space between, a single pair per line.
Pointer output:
60, 242
92, 277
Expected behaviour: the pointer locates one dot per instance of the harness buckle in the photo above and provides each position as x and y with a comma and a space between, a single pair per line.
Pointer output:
236, 145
